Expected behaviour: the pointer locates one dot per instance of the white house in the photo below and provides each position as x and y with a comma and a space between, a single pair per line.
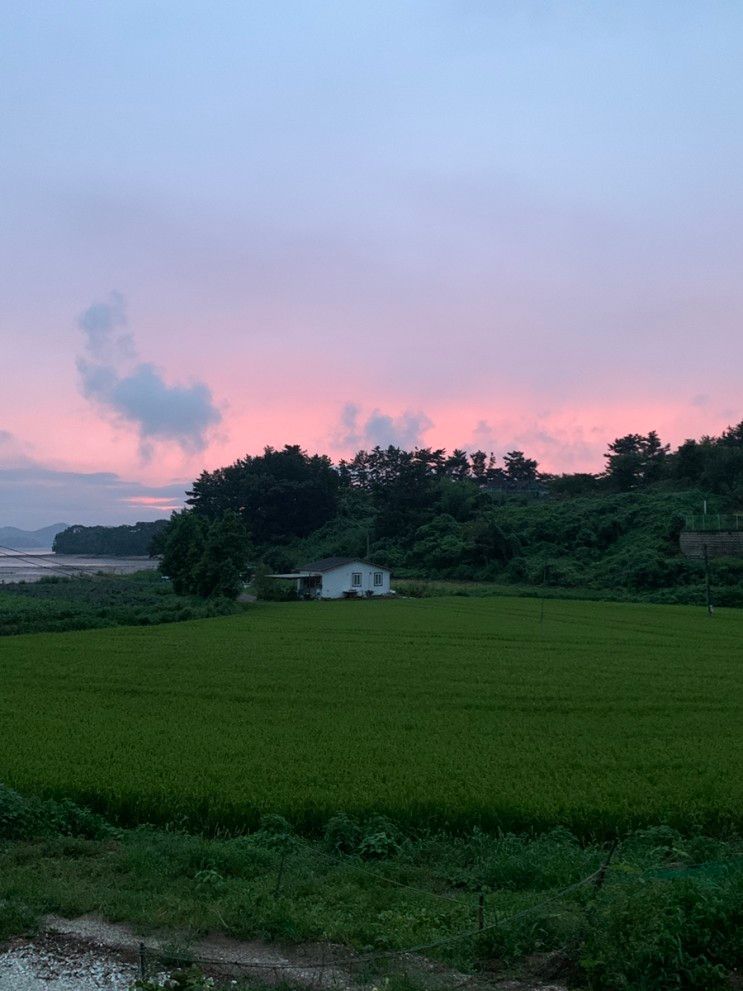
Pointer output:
339, 578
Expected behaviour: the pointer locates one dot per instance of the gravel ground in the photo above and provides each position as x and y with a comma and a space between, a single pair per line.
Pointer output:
50, 967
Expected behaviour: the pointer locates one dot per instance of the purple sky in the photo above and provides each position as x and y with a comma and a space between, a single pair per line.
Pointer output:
486, 224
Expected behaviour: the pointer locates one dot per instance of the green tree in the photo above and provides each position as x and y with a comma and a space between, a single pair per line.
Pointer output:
520, 469
183, 549
483, 468
733, 436
205, 558
279, 495
458, 465
223, 565
687, 463
654, 458
635, 460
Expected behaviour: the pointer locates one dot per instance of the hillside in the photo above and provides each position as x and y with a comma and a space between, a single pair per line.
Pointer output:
625, 544
430, 514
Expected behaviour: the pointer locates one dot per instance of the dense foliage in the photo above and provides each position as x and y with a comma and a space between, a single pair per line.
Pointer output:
205, 557
428, 514
109, 541
510, 713
55, 604
667, 917
275, 493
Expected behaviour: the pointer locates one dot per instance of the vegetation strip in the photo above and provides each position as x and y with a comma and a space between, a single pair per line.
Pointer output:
542, 896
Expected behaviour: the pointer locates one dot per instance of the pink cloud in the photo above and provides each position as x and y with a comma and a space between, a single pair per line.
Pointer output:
165, 504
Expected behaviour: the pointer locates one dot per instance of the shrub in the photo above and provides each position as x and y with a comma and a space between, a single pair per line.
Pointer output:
28, 818
272, 589
342, 833
381, 838
661, 935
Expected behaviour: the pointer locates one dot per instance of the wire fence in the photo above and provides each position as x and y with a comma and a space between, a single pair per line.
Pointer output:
714, 522
347, 960
336, 964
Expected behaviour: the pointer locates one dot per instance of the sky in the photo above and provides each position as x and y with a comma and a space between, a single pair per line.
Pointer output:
484, 224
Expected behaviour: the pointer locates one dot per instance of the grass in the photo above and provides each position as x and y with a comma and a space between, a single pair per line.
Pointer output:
435, 589
504, 713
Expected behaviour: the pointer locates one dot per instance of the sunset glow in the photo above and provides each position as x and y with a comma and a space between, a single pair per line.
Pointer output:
484, 226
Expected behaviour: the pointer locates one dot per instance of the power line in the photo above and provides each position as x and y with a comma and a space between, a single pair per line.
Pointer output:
29, 559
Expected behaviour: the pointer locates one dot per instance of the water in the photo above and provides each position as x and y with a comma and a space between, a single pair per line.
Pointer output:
32, 565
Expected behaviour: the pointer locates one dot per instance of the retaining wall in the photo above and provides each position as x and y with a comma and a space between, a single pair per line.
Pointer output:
725, 543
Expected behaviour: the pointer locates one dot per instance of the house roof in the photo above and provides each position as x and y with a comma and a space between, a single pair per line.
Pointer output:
330, 563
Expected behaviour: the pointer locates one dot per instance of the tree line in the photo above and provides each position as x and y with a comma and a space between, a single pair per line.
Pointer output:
430, 512
134, 540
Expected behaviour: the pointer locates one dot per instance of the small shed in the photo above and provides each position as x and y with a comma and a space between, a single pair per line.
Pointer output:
340, 578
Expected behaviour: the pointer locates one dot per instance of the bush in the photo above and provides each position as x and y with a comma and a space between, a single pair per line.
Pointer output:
28, 818
272, 589
381, 838
665, 935
413, 590
342, 833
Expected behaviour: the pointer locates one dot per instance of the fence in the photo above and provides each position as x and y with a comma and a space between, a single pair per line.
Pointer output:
335, 967
714, 522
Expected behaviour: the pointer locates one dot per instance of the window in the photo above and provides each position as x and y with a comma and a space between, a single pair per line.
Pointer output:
378, 579
356, 579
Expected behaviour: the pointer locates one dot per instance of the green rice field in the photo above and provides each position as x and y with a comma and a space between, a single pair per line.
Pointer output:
453, 712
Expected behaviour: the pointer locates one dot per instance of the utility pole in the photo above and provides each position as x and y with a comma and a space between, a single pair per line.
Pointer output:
706, 581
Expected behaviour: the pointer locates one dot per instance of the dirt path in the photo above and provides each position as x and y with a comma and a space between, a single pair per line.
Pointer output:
90, 954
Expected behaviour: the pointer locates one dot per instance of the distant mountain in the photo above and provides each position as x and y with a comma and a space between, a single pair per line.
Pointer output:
25, 540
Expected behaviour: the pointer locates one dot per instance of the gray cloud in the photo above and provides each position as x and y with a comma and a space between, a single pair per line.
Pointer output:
403, 431
380, 428
136, 392
100, 322
349, 433
34, 495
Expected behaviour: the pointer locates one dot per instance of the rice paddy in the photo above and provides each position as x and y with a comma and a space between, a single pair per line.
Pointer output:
452, 712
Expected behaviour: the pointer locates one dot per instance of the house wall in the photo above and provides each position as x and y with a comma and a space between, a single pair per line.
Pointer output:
338, 581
